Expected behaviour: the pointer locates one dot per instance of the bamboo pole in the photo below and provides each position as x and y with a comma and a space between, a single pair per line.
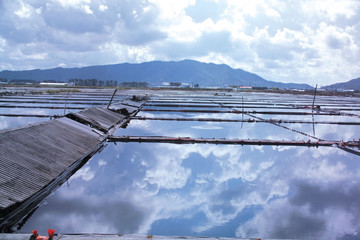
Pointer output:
53, 102
250, 120
40, 97
243, 142
239, 102
240, 105
43, 107
287, 128
238, 112
112, 98
30, 115
313, 103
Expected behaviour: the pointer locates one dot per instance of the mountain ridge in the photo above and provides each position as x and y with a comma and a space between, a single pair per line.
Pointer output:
156, 73
353, 84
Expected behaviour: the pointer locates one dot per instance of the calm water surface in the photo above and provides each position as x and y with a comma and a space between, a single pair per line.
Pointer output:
214, 190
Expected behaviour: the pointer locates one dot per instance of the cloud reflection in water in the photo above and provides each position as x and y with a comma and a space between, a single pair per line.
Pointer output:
216, 190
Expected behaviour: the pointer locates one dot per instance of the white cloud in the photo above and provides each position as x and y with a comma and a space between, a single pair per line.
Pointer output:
272, 13
85, 173
19, 54
102, 162
308, 41
2, 44
87, 9
73, 3
24, 11
331, 9
103, 8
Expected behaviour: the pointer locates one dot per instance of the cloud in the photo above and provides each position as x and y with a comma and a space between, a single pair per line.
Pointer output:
209, 189
289, 42
312, 212
65, 28
74, 215
24, 11
318, 199
204, 9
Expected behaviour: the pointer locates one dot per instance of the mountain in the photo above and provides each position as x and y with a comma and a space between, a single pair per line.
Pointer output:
156, 73
353, 84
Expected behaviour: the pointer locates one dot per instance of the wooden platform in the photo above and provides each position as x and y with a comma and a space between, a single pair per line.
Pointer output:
32, 157
38, 158
123, 109
100, 118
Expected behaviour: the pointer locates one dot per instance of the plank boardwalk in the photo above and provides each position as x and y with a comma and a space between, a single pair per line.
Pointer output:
100, 118
38, 158
33, 156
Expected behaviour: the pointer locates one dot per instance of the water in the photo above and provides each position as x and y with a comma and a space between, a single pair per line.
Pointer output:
215, 190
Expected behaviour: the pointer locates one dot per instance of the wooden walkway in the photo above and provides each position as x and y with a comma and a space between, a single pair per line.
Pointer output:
38, 158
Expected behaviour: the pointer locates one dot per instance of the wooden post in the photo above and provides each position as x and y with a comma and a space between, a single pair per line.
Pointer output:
111, 98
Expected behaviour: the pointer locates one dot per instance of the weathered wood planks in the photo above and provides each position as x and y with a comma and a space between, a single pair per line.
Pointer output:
100, 118
38, 158
32, 157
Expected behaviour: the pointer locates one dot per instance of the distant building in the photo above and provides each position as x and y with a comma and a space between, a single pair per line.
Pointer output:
241, 88
53, 84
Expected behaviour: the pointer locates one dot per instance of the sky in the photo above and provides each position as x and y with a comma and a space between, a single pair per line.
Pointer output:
308, 41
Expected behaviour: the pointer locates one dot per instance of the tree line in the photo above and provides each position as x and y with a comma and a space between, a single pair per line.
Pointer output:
92, 82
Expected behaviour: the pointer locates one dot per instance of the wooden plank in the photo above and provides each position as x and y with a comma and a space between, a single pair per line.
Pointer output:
31, 157
100, 118
131, 103
123, 109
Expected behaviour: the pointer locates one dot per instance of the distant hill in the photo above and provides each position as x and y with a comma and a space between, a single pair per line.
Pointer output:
353, 84
156, 73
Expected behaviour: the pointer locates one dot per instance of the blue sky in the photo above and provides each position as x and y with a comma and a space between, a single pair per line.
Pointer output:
309, 41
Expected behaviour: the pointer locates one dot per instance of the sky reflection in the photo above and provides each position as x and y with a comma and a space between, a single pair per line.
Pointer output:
204, 190
212, 190
209, 190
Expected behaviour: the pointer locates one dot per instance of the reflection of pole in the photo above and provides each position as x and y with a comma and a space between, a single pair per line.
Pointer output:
111, 98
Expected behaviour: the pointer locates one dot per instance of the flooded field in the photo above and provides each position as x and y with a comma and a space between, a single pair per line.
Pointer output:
207, 189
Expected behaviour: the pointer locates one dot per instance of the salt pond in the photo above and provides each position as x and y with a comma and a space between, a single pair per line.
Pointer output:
215, 190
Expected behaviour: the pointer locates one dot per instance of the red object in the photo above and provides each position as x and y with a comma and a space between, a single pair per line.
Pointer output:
51, 232
42, 238
39, 237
